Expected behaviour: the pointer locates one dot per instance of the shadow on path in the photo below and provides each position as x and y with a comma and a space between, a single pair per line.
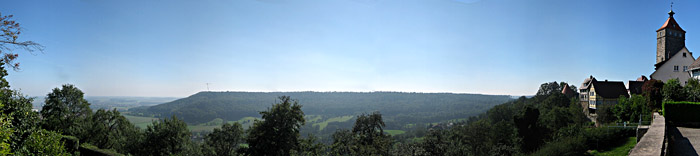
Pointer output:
678, 144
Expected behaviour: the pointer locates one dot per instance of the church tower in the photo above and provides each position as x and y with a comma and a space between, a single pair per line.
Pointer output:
670, 39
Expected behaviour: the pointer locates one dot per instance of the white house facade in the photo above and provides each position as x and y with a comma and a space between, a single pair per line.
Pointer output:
677, 67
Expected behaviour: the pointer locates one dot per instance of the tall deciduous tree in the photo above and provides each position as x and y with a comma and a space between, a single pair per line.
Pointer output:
343, 142
529, 129
652, 91
673, 91
371, 140
549, 88
224, 141
9, 40
110, 130
166, 137
19, 119
278, 132
692, 90
65, 110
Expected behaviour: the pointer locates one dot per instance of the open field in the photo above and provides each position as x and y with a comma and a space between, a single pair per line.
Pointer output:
312, 118
394, 132
323, 124
140, 121
246, 122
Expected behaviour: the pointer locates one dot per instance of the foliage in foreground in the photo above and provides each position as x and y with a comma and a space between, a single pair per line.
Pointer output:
681, 111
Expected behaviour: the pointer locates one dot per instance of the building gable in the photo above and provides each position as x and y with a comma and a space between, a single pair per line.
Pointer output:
676, 67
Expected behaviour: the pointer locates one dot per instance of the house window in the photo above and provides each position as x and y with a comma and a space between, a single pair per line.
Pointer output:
683, 54
675, 68
685, 68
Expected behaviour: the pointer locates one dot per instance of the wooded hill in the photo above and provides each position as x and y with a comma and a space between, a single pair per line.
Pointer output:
398, 108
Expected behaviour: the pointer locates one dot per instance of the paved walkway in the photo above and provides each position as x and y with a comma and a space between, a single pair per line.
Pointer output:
683, 141
652, 142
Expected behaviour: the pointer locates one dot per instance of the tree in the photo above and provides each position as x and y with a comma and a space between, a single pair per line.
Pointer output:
629, 109
370, 137
343, 142
166, 137
652, 91
8, 41
225, 140
111, 130
278, 132
43, 142
436, 142
18, 109
65, 110
549, 88
692, 90
605, 114
673, 91
529, 130
311, 147
5, 133
18, 119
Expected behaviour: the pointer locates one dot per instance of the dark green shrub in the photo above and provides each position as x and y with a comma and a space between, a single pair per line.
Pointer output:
71, 143
602, 138
575, 145
681, 111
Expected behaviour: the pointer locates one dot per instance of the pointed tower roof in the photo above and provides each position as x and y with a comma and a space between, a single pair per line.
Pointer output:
671, 23
567, 91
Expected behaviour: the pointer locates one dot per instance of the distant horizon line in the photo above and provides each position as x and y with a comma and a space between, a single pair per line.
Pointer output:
218, 91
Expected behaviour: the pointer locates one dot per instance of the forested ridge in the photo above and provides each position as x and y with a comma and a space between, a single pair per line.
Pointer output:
398, 108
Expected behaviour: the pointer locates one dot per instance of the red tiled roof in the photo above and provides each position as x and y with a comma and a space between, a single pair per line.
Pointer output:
567, 91
671, 23
695, 64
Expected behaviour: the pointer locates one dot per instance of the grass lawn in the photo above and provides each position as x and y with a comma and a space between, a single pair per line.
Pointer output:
323, 124
140, 121
394, 132
623, 149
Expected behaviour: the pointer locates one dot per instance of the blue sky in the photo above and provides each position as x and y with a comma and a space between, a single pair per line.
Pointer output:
172, 48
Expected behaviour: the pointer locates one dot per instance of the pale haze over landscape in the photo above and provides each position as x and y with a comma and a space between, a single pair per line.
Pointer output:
173, 48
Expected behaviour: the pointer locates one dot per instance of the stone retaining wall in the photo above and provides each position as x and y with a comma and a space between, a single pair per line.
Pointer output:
652, 143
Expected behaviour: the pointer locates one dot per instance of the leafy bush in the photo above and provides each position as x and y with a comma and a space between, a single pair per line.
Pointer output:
43, 142
681, 111
575, 145
601, 138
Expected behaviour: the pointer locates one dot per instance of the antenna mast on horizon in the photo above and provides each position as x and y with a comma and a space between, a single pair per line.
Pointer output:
207, 86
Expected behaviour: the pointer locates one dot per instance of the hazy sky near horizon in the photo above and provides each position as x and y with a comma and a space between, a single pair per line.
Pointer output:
172, 48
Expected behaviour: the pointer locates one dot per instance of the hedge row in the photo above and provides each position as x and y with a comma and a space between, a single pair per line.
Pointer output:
681, 111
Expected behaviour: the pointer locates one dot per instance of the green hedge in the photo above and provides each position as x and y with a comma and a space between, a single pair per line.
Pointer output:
681, 111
